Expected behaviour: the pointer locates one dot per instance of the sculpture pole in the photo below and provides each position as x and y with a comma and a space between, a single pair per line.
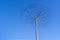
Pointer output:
36, 27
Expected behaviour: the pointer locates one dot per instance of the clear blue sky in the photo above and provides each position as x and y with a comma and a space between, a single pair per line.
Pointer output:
13, 28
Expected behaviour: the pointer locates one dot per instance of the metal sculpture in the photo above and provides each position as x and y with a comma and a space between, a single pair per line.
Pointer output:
37, 13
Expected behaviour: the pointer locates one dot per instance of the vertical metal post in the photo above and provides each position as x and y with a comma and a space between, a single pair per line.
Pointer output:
36, 26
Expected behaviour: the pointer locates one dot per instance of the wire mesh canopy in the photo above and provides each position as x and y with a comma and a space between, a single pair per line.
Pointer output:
33, 11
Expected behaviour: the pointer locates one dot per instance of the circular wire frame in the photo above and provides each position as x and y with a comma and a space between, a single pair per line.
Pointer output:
31, 12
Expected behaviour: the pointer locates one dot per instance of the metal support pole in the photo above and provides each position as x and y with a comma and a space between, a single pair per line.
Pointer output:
36, 26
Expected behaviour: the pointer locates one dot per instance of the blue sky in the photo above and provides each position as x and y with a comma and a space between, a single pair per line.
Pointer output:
12, 26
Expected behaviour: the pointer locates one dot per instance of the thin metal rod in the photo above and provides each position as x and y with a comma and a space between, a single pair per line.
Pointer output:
36, 26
